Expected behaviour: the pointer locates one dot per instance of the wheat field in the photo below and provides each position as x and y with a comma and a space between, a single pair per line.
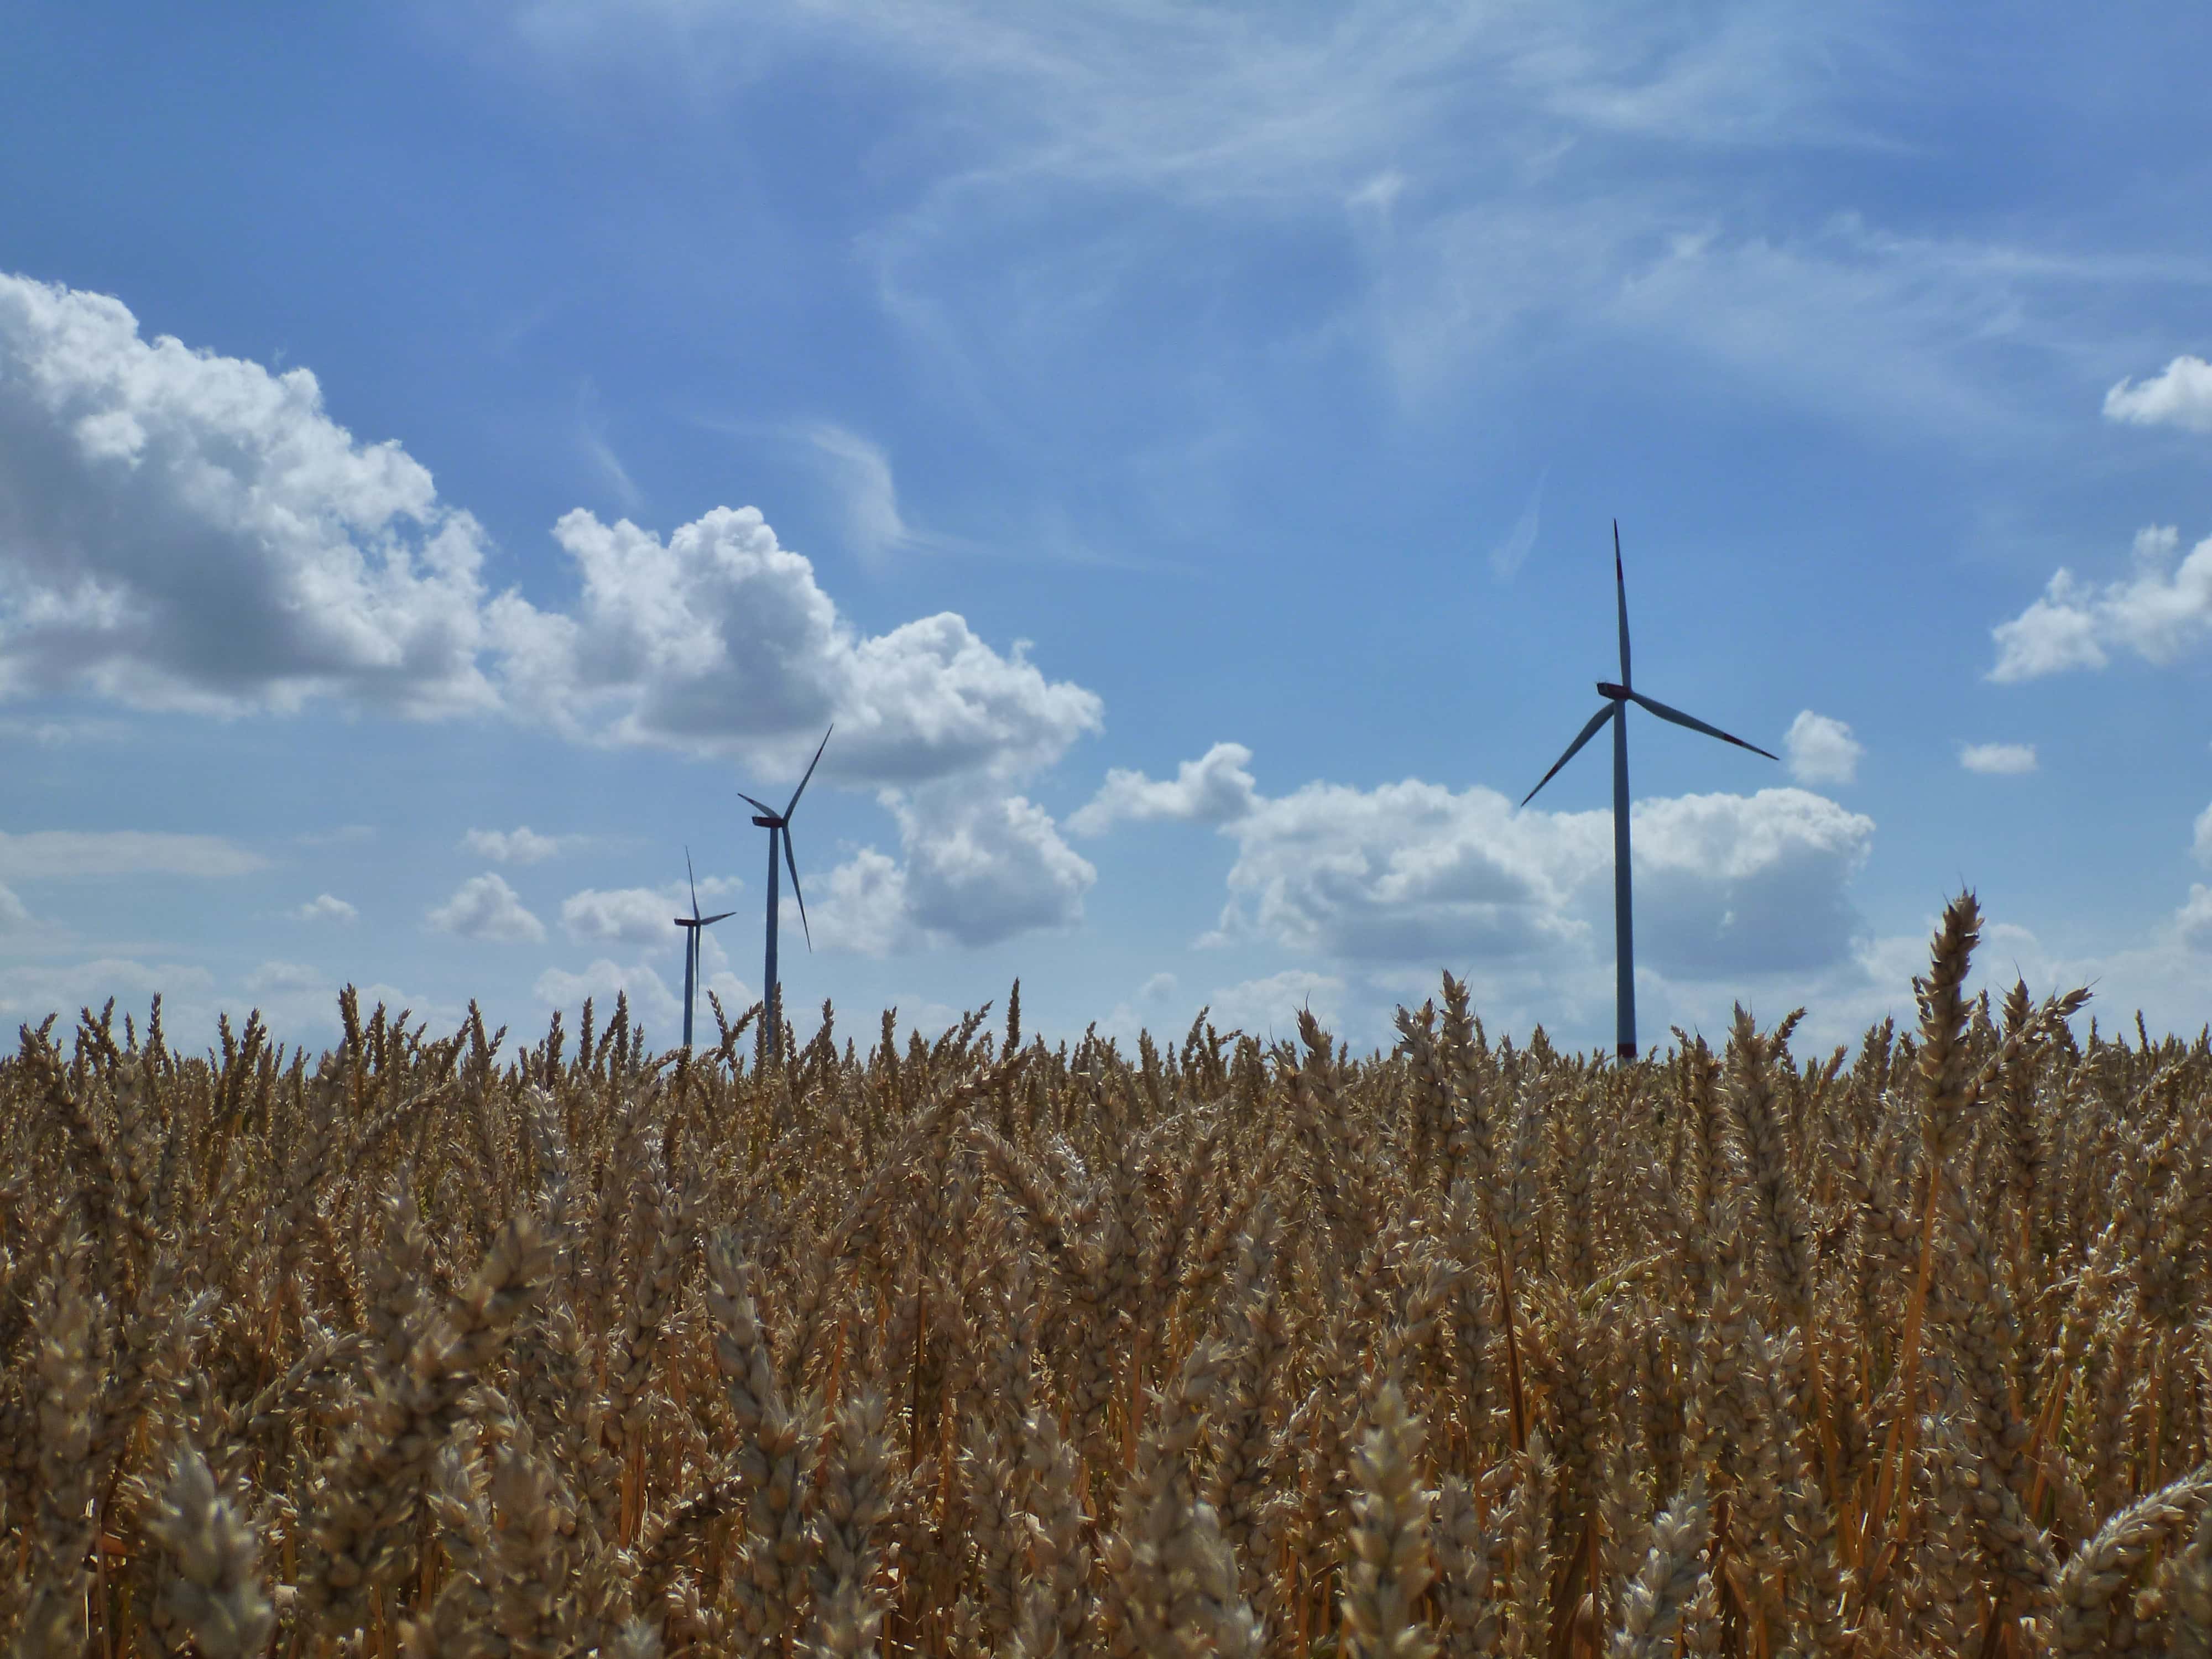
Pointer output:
980, 1347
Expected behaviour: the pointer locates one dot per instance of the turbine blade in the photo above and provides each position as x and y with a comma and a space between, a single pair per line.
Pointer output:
1679, 719
801, 790
761, 806
689, 876
1581, 737
792, 865
1621, 593
708, 921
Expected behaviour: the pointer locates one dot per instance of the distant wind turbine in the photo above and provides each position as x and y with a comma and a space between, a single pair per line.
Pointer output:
778, 825
1617, 699
696, 925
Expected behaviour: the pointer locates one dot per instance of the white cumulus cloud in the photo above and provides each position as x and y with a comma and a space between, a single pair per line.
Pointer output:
1215, 788
522, 845
1259, 1006
298, 999
977, 867
631, 915
1746, 883
29, 994
1407, 869
1150, 1008
720, 642
1998, 759
2202, 844
323, 907
638, 915
2179, 395
2158, 611
188, 530
862, 906
2194, 919
1413, 874
1821, 749
185, 531
650, 999
485, 908
14, 918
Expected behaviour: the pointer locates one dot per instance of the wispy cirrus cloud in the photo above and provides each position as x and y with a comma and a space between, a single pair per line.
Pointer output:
859, 472
76, 854
592, 441
1507, 177
1507, 556
65, 733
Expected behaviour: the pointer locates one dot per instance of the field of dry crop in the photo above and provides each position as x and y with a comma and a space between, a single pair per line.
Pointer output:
980, 1347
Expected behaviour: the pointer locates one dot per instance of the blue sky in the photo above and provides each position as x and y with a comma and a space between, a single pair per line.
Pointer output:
1176, 444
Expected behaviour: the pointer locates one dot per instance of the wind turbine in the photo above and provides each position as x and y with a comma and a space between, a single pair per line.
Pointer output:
1617, 699
778, 825
698, 924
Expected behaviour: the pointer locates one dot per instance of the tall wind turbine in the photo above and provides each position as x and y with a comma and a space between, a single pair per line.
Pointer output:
1617, 699
696, 924
778, 825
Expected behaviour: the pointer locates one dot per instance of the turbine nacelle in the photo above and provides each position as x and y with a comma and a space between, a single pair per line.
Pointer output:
768, 823
1613, 693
